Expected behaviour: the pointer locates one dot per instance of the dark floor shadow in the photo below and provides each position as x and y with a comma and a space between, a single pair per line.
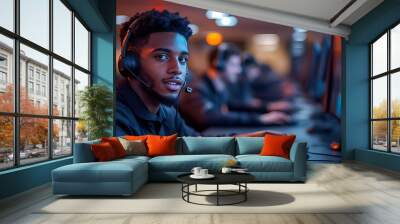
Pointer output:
255, 198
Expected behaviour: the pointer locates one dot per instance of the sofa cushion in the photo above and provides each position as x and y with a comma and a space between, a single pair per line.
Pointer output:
116, 145
208, 145
249, 145
112, 171
134, 147
185, 163
103, 152
257, 163
277, 145
83, 152
161, 145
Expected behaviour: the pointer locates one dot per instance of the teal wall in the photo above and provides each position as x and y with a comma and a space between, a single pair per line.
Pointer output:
356, 82
99, 16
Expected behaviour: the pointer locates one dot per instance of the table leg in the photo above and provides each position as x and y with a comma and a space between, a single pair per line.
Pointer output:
245, 191
217, 194
196, 188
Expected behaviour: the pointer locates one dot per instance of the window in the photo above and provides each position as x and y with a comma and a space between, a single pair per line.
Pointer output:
30, 72
3, 71
30, 87
46, 73
38, 89
43, 90
385, 94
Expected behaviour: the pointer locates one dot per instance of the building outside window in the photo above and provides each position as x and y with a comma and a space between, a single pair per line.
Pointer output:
57, 123
30, 87
385, 92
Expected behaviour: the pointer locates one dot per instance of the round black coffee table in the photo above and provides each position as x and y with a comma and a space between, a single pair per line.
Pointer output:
238, 179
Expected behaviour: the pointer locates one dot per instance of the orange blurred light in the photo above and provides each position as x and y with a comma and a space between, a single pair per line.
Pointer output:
214, 38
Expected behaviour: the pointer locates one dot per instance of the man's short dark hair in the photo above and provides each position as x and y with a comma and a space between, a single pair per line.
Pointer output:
153, 21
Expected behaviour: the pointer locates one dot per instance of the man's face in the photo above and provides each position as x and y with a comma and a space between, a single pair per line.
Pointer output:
163, 63
232, 69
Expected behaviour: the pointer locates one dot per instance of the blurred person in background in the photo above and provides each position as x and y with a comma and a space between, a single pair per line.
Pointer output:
241, 95
208, 105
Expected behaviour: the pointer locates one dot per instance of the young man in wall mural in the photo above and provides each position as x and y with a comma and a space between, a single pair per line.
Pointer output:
154, 64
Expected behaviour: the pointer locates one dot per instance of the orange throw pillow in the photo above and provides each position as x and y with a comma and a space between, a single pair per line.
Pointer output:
103, 152
277, 145
116, 145
161, 145
134, 137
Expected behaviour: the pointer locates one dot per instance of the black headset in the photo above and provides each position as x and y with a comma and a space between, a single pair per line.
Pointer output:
129, 62
220, 58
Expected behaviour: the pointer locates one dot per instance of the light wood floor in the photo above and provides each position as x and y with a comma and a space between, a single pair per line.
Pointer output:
377, 188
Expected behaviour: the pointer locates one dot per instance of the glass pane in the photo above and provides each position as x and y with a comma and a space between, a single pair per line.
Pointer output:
7, 14
379, 55
395, 94
34, 92
395, 47
379, 135
81, 81
62, 29
33, 139
6, 142
62, 89
395, 132
81, 131
81, 45
35, 21
62, 138
379, 97
6, 74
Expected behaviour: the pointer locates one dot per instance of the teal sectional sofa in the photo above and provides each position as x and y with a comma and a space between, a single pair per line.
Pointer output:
125, 176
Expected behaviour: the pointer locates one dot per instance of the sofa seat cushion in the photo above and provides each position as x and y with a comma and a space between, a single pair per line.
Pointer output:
111, 171
185, 163
257, 163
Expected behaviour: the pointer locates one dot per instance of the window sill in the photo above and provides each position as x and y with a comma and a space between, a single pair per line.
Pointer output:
25, 167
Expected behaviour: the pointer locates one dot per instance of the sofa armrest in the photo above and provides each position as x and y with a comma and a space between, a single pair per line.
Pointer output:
298, 155
83, 152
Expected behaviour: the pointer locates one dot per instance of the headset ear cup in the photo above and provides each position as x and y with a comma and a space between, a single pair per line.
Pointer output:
220, 59
129, 64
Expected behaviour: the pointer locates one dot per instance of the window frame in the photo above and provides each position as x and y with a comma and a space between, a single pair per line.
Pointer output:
16, 115
388, 74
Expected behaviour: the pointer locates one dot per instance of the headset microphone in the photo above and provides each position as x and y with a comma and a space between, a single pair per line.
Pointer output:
188, 90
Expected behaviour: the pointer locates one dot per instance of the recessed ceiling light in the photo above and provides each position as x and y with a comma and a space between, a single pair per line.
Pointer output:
121, 19
226, 21
266, 39
301, 30
215, 15
194, 28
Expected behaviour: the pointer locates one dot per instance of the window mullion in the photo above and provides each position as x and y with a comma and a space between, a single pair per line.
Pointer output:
389, 106
16, 84
50, 81
73, 83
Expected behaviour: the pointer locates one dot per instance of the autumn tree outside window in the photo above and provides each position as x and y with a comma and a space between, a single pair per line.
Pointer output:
385, 91
44, 64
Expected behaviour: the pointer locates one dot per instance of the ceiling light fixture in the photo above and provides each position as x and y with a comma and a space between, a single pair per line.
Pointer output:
228, 21
121, 19
194, 28
266, 39
215, 15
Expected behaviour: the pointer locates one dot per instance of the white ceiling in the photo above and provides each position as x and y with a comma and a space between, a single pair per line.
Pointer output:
316, 15
319, 9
